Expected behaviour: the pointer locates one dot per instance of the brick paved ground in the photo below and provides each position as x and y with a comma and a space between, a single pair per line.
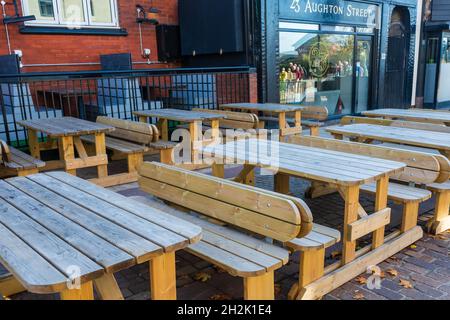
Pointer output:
426, 265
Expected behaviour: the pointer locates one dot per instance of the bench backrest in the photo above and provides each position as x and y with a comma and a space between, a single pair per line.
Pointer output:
268, 214
5, 154
396, 123
423, 168
138, 132
234, 120
315, 113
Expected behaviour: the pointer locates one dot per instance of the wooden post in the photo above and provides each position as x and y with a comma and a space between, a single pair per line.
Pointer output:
315, 131
410, 216
163, 126
381, 199
134, 162
167, 156
282, 183
351, 198
100, 149
86, 292
218, 170
215, 130
311, 268
195, 132
107, 288
67, 152
163, 277
260, 287
441, 220
33, 143
282, 124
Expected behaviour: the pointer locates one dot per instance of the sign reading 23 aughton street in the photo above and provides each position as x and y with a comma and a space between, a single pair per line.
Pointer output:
332, 11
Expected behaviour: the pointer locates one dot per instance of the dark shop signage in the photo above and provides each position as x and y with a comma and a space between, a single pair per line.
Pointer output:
330, 11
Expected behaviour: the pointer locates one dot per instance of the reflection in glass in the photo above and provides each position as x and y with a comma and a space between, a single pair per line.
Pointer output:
362, 72
317, 69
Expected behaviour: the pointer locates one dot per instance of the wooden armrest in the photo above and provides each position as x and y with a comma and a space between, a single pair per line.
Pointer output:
5, 153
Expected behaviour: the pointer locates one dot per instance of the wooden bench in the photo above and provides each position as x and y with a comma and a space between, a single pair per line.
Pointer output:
423, 168
236, 219
312, 118
14, 162
132, 139
396, 123
441, 220
243, 125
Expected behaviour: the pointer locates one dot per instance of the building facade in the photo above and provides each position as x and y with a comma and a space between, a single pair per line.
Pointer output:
350, 56
72, 34
433, 80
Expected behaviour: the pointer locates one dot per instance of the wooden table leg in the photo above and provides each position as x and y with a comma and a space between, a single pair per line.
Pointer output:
351, 198
247, 175
282, 124
100, 149
33, 143
215, 131
218, 170
107, 288
282, 183
163, 125
163, 277
260, 287
67, 152
195, 132
86, 292
380, 204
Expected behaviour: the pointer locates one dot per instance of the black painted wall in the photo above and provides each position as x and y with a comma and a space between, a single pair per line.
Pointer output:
440, 10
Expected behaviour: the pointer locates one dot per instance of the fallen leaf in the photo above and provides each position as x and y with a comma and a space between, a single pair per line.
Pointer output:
202, 276
406, 284
361, 280
220, 297
413, 246
359, 296
335, 254
382, 275
392, 272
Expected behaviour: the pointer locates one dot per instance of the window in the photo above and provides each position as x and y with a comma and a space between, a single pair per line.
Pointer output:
72, 13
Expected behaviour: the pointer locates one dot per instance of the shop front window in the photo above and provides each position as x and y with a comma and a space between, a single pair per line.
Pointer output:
317, 69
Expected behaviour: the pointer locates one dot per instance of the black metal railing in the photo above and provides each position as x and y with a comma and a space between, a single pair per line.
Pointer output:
116, 94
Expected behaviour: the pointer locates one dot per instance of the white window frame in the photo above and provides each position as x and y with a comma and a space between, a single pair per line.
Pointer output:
59, 20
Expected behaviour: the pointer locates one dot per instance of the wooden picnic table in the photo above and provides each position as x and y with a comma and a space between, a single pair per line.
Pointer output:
57, 230
428, 116
193, 118
67, 132
419, 138
280, 110
348, 172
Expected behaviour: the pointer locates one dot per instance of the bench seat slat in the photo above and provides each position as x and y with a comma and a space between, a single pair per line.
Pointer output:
119, 145
401, 193
439, 186
235, 265
22, 161
319, 237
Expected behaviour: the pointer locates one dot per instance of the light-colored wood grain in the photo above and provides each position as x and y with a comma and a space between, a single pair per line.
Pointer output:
369, 224
107, 288
260, 287
163, 277
411, 115
86, 292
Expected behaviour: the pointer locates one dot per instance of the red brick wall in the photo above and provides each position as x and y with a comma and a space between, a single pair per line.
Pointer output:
45, 49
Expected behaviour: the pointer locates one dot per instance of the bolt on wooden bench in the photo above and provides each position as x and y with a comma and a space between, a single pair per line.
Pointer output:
14, 162
132, 139
235, 219
423, 168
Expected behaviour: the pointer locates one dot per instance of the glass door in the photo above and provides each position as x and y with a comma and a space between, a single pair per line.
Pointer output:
363, 73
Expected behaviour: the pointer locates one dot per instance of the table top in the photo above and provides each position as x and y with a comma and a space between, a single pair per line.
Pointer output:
422, 115
306, 162
263, 107
179, 115
53, 222
65, 126
413, 137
